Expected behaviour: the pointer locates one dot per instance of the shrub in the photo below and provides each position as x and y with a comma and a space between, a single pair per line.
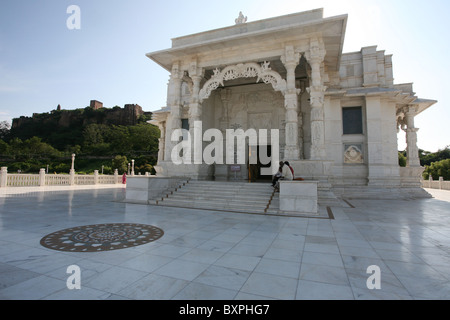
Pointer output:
438, 169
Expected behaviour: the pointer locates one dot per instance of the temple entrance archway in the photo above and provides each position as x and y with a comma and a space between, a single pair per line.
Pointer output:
263, 73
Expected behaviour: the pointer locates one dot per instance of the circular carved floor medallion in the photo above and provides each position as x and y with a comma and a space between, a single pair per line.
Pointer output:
101, 237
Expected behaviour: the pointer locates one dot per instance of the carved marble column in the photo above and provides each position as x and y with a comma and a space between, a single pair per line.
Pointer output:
195, 107
162, 141
195, 114
315, 57
412, 151
301, 142
174, 102
290, 61
225, 96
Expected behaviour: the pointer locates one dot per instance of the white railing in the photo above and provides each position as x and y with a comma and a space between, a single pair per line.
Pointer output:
22, 180
84, 180
436, 184
57, 180
42, 179
106, 179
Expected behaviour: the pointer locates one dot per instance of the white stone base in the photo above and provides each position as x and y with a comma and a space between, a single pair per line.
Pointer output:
299, 197
145, 189
315, 170
411, 177
193, 171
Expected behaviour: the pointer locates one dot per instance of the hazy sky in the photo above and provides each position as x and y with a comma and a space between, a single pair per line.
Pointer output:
43, 63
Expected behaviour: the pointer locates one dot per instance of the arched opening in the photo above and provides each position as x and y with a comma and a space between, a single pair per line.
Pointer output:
263, 73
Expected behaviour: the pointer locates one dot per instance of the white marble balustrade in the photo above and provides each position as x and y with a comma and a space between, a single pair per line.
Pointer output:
436, 184
42, 179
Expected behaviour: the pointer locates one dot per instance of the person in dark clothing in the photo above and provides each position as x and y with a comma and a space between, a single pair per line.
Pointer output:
278, 175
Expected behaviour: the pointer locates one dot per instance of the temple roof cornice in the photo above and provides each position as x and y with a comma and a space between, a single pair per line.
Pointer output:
273, 33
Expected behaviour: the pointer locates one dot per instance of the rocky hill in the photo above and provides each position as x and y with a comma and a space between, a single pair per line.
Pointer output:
61, 127
129, 115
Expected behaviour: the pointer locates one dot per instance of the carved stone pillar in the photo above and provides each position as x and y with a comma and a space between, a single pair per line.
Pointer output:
195, 114
315, 57
162, 141
412, 151
290, 61
225, 96
291, 151
301, 142
174, 102
195, 107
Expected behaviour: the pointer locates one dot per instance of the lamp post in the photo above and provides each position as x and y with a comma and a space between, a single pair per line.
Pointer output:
102, 168
128, 169
132, 167
72, 169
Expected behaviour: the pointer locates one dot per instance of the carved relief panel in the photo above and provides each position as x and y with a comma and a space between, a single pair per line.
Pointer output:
255, 108
353, 154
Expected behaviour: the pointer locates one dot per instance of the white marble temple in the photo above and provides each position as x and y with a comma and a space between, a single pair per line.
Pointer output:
290, 73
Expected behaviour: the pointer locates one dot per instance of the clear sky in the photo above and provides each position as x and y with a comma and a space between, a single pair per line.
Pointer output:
43, 63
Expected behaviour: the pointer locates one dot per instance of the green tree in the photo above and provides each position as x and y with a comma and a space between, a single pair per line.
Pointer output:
93, 134
145, 168
61, 168
107, 170
74, 149
401, 159
427, 158
144, 138
15, 146
22, 167
34, 147
120, 163
144, 118
119, 139
4, 148
99, 149
438, 169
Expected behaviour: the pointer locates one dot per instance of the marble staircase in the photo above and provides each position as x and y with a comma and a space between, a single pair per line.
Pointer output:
258, 198
223, 196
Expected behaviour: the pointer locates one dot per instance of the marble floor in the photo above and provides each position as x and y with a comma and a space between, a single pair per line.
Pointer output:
226, 256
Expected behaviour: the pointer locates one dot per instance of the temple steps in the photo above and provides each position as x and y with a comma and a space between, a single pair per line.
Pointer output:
379, 193
223, 196
259, 198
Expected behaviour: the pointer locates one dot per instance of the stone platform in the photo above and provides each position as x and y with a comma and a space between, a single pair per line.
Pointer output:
243, 197
224, 255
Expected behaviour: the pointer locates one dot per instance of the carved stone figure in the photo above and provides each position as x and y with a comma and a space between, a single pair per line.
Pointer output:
241, 19
353, 155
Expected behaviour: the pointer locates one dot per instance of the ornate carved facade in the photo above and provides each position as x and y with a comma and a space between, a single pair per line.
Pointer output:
289, 73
